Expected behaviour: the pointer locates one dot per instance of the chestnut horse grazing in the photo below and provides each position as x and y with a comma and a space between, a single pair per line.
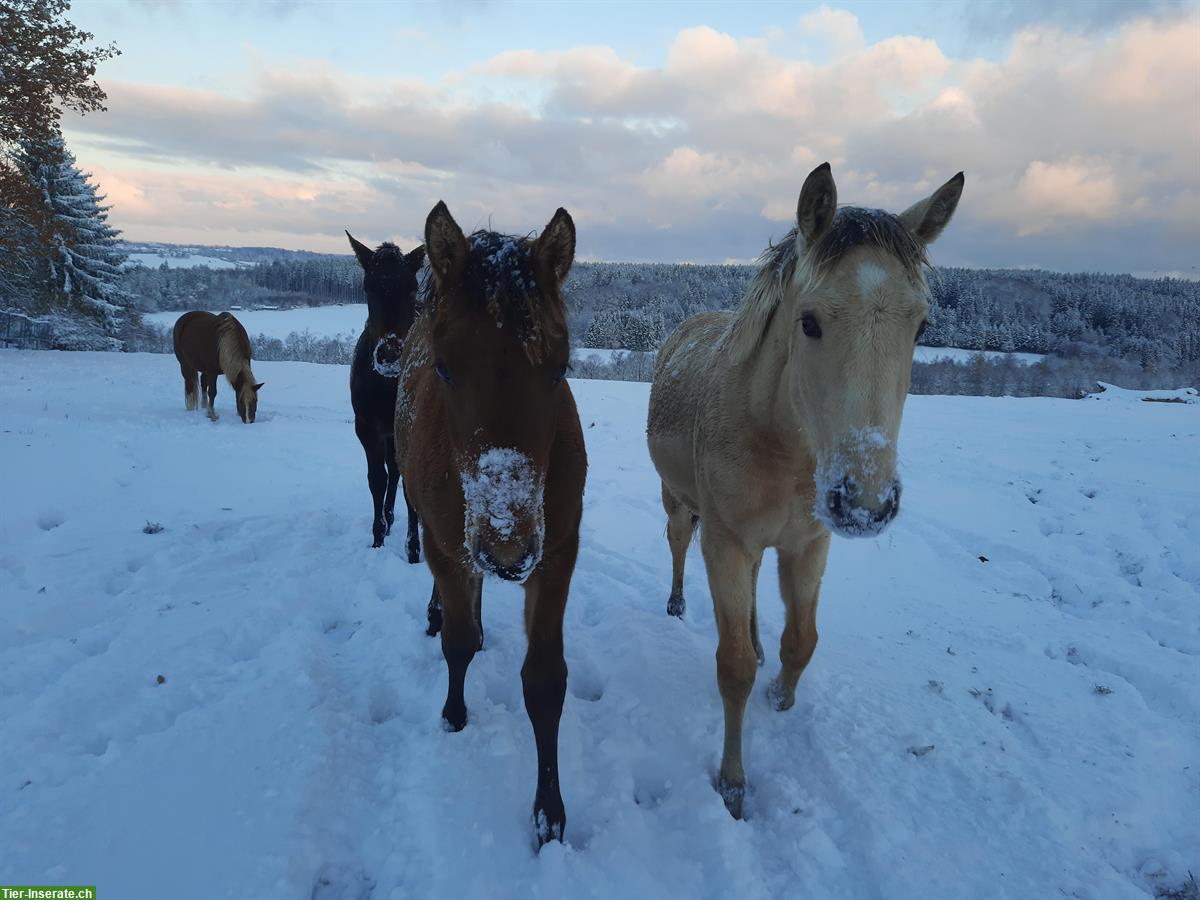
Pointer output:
390, 283
211, 345
489, 444
776, 424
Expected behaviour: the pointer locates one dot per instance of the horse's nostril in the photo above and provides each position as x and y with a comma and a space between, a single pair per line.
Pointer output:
841, 498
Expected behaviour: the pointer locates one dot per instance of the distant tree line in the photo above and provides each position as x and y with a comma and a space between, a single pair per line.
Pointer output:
1153, 324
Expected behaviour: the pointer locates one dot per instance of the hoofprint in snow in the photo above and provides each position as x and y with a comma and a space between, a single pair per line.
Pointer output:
244, 703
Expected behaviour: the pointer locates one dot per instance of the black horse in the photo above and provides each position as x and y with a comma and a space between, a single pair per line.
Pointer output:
390, 283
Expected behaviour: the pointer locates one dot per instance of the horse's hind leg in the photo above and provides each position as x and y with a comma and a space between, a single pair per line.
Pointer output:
191, 387
414, 537
208, 382
758, 648
681, 525
800, 574
433, 613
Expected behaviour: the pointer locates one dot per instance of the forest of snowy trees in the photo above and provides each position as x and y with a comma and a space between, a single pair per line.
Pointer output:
1113, 327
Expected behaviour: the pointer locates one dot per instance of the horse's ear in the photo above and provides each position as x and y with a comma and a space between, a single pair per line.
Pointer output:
926, 218
444, 242
362, 251
555, 249
258, 386
415, 258
818, 203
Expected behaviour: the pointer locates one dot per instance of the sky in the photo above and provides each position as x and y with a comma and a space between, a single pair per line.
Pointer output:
670, 131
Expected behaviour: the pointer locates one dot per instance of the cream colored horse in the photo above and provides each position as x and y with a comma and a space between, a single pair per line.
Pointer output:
776, 424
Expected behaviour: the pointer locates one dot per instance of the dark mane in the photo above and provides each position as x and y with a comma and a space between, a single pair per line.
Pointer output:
853, 226
500, 274
856, 226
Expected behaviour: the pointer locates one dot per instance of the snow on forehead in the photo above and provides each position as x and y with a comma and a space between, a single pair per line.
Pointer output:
503, 260
870, 277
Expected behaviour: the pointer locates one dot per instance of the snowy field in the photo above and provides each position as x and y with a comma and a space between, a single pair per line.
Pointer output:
324, 321
244, 704
191, 261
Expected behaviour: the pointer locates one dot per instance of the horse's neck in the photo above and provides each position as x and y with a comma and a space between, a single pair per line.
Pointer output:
767, 376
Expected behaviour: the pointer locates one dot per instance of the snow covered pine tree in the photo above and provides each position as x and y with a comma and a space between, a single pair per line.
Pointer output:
77, 280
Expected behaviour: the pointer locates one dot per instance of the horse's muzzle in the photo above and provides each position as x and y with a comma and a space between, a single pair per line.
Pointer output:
515, 570
850, 517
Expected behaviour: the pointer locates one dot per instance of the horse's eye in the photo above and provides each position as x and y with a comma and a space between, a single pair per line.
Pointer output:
808, 322
443, 372
920, 331
560, 374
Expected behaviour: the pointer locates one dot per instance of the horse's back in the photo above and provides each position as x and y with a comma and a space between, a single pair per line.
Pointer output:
683, 371
193, 333
685, 375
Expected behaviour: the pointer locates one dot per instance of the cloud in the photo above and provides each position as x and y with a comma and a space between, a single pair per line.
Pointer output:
1077, 144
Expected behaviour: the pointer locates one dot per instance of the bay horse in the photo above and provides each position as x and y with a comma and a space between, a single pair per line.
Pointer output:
488, 440
211, 345
775, 425
390, 283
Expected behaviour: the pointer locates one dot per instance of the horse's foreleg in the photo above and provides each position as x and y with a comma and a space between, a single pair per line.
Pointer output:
681, 526
730, 570
393, 476
460, 636
800, 572
377, 479
544, 680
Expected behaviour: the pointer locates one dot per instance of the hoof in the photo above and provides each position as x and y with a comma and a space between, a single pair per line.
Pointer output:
377, 543
549, 821
454, 719
781, 698
676, 606
434, 628
733, 795
414, 554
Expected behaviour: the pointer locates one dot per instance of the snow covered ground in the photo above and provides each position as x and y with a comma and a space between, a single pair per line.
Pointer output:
325, 321
1004, 702
191, 261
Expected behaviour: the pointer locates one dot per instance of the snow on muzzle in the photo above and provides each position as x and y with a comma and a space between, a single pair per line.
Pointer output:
504, 517
858, 493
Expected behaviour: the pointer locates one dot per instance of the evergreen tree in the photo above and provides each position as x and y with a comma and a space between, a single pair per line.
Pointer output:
79, 260
46, 65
